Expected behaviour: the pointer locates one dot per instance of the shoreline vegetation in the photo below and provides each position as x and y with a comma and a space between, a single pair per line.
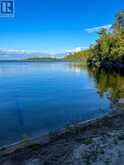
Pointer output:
108, 51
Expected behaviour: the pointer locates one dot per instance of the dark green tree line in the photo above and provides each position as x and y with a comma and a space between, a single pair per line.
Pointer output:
109, 47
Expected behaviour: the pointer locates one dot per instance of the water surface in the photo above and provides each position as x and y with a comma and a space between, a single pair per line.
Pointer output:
39, 97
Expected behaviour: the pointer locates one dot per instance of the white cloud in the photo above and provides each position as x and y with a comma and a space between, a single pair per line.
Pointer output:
17, 51
98, 28
73, 50
78, 49
20, 51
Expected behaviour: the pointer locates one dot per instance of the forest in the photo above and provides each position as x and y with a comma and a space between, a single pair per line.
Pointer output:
108, 50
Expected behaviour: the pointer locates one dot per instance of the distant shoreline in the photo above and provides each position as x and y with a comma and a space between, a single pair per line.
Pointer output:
72, 57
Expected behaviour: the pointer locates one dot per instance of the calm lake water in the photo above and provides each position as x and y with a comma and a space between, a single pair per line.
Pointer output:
39, 97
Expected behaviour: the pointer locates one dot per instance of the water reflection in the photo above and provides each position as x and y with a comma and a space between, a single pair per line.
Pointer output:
20, 117
77, 66
108, 83
8, 68
40, 97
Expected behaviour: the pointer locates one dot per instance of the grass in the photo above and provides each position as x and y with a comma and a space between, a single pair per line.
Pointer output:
88, 141
25, 140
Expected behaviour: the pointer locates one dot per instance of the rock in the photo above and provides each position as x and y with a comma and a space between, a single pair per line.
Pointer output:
121, 101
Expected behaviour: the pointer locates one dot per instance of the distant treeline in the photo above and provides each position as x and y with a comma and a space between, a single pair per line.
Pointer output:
77, 56
41, 59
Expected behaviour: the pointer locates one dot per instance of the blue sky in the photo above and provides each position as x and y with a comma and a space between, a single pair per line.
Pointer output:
55, 25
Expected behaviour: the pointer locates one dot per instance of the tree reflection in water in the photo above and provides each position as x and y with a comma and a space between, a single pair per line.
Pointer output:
107, 82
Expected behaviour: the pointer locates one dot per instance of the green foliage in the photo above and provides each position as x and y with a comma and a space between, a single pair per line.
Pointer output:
78, 56
88, 141
109, 48
41, 59
108, 83
119, 22
25, 140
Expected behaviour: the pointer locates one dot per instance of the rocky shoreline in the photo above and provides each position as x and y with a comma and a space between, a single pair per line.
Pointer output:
99, 141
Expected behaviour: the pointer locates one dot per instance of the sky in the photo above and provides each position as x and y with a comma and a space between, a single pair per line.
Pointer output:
56, 25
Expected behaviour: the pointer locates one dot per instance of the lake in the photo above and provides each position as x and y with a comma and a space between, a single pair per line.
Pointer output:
39, 97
